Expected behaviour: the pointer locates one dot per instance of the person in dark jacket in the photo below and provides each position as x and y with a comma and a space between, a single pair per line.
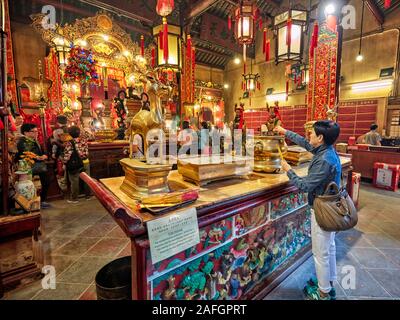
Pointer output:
28, 142
324, 168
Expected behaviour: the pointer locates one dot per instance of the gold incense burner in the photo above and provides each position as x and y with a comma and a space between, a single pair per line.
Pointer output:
267, 157
142, 180
105, 135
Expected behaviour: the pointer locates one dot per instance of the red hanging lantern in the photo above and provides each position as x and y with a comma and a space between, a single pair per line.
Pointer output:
388, 3
164, 7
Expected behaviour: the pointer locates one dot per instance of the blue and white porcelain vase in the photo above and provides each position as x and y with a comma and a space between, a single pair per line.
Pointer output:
25, 185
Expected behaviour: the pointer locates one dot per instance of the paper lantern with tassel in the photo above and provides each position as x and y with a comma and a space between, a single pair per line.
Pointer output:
245, 19
289, 28
169, 39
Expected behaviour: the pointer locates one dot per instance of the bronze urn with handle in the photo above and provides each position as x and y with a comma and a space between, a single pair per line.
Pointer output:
267, 153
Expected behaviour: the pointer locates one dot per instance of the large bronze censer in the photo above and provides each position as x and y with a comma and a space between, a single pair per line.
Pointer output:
267, 157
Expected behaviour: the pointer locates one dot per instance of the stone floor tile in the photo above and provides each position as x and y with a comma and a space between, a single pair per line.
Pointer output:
392, 254
373, 258
116, 232
287, 290
97, 230
24, 292
61, 263
126, 251
353, 238
63, 291
83, 270
382, 241
89, 293
365, 285
77, 246
107, 247
388, 279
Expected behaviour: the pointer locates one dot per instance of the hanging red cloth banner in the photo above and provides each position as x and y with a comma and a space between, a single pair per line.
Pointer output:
314, 40
289, 32
388, 3
153, 57
160, 38
287, 88
193, 72
142, 45
267, 50
52, 72
265, 39
229, 22
189, 46
1, 125
11, 85
165, 40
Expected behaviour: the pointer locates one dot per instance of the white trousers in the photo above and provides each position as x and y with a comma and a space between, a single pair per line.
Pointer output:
324, 252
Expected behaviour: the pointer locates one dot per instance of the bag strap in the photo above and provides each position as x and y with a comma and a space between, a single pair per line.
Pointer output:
332, 185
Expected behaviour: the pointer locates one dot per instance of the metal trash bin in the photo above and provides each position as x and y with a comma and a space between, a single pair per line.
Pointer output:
114, 280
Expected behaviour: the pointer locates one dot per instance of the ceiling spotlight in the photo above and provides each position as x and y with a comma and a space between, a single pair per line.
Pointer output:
360, 57
105, 37
330, 9
226, 86
237, 60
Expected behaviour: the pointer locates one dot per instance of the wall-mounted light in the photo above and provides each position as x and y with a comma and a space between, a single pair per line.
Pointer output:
360, 56
236, 61
372, 85
226, 86
330, 9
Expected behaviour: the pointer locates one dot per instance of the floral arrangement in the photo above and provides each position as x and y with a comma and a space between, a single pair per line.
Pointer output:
29, 157
81, 66
27, 161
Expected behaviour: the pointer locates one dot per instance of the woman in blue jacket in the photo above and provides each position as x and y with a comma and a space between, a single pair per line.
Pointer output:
325, 167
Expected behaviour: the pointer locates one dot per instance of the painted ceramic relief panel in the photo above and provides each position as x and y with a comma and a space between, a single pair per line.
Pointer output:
234, 268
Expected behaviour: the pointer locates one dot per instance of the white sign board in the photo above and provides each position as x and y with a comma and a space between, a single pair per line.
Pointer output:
172, 234
384, 177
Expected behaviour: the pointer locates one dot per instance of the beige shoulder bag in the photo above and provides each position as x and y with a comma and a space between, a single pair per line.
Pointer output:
335, 210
